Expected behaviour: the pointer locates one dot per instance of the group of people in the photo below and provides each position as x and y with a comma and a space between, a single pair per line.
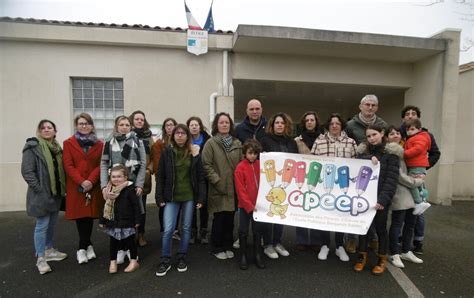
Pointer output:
198, 174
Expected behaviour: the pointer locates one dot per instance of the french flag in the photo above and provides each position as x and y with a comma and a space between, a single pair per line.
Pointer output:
192, 23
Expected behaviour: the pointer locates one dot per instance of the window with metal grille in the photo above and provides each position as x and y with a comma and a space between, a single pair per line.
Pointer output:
102, 98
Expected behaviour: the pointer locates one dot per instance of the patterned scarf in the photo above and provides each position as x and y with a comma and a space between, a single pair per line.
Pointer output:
48, 149
86, 140
227, 142
111, 193
114, 154
144, 135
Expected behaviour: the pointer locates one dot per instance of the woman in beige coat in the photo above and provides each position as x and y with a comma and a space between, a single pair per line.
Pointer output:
220, 156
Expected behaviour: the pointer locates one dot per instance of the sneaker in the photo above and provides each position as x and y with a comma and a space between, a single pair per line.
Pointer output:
409, 256
236, 244
90, 253
221, 255
341, 253
418, 247
281, 250
120, 257
420, 208
163, 268
53, 254
176, 235
229, 254
323, 253
182, 266
42, 265
351, 246
81, 256
396, 261
270, 252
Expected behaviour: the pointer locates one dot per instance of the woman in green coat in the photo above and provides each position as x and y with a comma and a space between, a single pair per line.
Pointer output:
220, 156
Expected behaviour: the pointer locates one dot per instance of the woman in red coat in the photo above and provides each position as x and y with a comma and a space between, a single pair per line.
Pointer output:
84, 201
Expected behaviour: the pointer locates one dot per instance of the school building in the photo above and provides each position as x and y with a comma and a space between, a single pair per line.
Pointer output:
55, 70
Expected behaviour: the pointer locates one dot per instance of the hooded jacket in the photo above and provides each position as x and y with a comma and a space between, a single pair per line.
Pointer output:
247, 179
39, 198
389, 169
433, 153
416, 150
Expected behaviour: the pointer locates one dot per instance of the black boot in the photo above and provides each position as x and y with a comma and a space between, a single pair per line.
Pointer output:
243, 253
258, 253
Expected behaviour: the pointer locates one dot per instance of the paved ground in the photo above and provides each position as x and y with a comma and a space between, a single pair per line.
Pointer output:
447, 270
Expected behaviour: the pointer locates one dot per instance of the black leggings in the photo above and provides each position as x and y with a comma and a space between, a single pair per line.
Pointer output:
84, 227
128, 242
380, 224
141, 227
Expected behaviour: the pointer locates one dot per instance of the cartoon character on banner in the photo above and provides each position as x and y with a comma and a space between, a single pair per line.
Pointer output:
288, 172
329, 179
362, 179
300, 173
269, 171
314, 175
277, 196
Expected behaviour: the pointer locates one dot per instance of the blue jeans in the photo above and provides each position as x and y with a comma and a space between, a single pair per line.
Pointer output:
419, 228
401, 220
170, 217
44, 232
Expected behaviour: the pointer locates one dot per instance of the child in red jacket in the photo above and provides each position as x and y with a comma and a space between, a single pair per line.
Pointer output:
247, 179
416, 147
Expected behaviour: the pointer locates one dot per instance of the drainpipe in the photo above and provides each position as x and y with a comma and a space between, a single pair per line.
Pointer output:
225, 67
212, 105
225, 86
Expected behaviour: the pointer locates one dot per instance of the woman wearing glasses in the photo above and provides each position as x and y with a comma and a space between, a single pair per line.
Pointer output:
84, 201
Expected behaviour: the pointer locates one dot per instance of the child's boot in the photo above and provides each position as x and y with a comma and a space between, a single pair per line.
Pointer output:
243, 253
379, 269
258, 252
132, 266
361, 262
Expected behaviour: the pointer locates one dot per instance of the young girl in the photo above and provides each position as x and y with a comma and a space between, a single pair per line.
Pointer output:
121, 216
378, 151
180, 185
247, 178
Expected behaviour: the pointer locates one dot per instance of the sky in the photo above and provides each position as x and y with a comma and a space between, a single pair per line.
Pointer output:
422, 18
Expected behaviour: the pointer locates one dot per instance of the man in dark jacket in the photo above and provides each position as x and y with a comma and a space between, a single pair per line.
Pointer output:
409, 113
355, 128
253, 126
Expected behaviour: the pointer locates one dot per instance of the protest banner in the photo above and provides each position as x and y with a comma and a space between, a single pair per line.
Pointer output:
324, 193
